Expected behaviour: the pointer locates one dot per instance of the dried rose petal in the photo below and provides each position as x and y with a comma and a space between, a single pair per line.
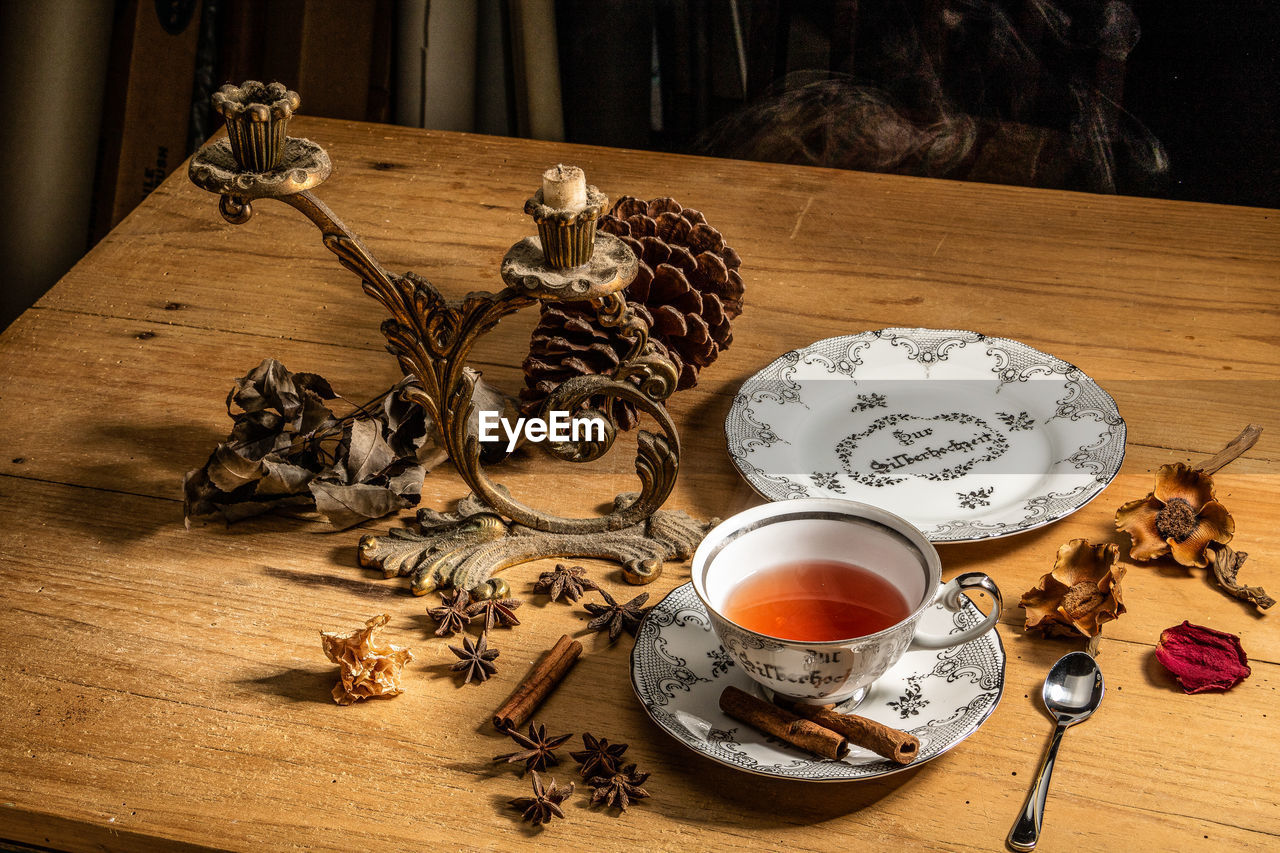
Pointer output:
1202, 658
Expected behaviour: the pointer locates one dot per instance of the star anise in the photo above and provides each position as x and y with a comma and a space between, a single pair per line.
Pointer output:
539, 751
569, 581
620, 789
475, 659
615, 616
544, 803
497, 612
453, 614
600, 758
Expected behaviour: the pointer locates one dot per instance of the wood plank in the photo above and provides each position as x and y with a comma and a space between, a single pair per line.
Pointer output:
178, 674
1109, 263
154, 693
157, 411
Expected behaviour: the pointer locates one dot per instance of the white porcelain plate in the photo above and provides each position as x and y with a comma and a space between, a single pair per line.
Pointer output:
679, 669
967, 437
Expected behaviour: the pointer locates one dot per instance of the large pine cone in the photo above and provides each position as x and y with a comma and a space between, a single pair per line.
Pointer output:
688, 289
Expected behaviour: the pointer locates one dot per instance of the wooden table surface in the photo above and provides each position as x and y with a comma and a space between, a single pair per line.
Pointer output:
165, 688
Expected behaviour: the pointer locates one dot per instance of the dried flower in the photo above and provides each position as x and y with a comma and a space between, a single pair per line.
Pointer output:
475, 659
497, 612
1079, 595
569, 581
600, 758
539, 751
615, 617
454, 613
619, 789
369, 668
1179, 517
544, 803
1202, 658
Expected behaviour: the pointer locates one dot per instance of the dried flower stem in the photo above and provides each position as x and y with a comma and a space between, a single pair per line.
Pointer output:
1226, 565
1247, 438
1227, 562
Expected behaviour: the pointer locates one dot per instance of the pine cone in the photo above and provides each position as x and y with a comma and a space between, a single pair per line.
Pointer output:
688, 289
568, 343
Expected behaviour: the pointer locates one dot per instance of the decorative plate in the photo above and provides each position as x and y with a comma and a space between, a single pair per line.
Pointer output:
679, 668
966, 436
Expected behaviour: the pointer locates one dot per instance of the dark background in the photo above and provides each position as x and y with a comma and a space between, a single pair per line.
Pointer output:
1166, 99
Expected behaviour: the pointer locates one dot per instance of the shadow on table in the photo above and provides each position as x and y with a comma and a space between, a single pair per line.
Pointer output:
377, 589
155, 456
759, 801
297, 685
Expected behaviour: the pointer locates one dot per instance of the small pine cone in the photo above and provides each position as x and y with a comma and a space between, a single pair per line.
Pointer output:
568, 342
688, 289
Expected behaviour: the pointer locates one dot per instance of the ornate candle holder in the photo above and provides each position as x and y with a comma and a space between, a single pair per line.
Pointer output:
432, 338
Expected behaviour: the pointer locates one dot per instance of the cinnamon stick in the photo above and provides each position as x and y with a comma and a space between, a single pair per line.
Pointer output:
783, 724
897, 746
538, 684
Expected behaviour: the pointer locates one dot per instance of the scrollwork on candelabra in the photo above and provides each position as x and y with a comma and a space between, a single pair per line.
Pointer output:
432, 338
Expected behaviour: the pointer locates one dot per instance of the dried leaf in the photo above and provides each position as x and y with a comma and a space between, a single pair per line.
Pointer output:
267, 386
282, 478
408, 483
229, 470
314, 383
409, 431
1201, 658
345, 506
288, 451
368, 453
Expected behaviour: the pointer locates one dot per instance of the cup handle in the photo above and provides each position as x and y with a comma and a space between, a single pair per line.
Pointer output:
950, 595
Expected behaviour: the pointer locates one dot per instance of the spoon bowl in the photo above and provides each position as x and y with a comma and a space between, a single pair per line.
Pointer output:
1073, 690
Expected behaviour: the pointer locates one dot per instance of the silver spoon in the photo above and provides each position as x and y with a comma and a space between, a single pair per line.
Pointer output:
1072, 691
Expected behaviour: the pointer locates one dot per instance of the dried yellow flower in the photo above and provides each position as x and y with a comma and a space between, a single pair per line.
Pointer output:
1180, 517
368, 668
1079, 595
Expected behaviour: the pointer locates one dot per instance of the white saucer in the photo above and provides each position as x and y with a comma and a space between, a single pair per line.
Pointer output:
679, 668
967, 437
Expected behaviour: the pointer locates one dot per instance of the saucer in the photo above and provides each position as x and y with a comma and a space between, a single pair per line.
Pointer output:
966, 436
679, 668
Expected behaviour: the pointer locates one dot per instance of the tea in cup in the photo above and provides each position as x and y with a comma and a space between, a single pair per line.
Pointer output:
816, 598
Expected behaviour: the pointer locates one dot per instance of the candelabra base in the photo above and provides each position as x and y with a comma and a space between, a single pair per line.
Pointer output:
464, 548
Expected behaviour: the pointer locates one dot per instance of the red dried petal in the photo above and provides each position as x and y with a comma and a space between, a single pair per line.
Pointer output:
1202, 658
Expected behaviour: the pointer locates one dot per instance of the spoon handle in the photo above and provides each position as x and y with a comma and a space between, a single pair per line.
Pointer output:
1026, 829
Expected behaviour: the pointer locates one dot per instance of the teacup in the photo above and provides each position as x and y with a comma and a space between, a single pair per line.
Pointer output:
820, 529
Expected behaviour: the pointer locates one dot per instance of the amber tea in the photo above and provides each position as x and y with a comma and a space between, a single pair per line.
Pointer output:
816, 601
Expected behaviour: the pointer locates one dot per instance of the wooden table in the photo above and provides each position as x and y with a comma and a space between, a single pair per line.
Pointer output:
165, 688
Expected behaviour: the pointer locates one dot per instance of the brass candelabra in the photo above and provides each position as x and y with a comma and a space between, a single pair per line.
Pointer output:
432, 337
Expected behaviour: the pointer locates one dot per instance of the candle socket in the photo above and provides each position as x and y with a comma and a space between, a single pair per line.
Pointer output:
257, 117
568, 236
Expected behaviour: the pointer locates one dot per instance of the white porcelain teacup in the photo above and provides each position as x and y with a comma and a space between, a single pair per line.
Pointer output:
820, 529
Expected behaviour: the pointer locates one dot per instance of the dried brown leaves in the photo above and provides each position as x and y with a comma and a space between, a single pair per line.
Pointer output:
288, 451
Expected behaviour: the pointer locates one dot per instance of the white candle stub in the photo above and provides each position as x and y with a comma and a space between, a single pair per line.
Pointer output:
564, 188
